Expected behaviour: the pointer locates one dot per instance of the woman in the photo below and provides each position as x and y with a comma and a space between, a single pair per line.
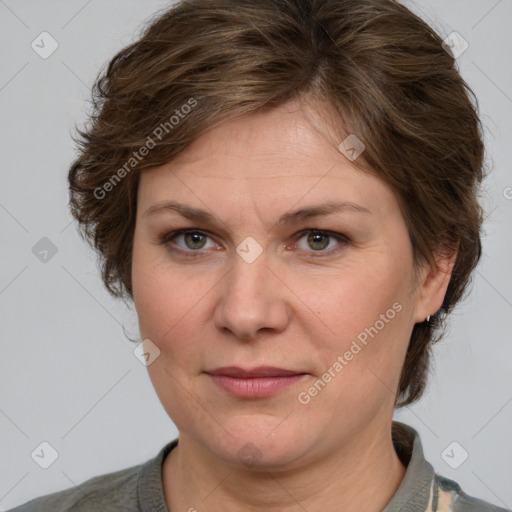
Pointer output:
287, 190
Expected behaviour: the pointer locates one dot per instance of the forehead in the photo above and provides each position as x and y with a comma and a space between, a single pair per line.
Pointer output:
290, 133
277, 158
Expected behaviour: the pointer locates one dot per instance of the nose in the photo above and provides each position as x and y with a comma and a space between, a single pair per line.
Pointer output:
252, 300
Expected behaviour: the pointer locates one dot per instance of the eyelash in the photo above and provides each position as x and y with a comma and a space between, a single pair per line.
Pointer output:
167, 238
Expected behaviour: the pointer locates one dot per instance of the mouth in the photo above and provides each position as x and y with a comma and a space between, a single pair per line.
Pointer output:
257, 382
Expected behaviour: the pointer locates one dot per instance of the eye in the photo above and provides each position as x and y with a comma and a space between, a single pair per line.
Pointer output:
318, 241
191, 241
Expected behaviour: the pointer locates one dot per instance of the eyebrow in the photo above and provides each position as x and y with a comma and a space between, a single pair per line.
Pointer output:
289, 218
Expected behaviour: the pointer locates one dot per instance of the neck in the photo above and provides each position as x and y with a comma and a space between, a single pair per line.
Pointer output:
367, 471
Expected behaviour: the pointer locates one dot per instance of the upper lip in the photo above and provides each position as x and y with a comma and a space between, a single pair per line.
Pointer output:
260, 371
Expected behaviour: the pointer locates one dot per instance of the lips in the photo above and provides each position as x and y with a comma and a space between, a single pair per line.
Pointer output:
260, 382
261, 371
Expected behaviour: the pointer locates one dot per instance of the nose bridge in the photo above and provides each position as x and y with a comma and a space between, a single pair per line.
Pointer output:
252, 298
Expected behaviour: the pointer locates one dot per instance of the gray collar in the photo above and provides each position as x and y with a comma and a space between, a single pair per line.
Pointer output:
414, 491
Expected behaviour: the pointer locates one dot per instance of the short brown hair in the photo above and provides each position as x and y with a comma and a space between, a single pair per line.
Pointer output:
382, 69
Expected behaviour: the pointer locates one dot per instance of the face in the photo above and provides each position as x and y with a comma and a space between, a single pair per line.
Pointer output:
330, 298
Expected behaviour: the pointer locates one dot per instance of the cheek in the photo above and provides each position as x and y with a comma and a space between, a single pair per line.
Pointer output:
166, 302
362, 314
355, 298
172, 307
164, 297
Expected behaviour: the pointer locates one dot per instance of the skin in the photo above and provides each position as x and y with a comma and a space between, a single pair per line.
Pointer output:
298, 306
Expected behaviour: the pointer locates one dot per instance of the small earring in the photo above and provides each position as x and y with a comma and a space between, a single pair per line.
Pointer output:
428, 319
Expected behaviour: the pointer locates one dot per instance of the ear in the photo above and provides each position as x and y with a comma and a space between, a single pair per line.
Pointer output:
434, 283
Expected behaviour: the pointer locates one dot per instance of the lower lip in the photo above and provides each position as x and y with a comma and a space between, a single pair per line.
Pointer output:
255, 387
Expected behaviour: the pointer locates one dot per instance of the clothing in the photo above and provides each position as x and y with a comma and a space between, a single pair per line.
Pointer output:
139, 488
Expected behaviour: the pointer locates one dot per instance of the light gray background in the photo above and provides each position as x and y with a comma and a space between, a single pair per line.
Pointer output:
68, 375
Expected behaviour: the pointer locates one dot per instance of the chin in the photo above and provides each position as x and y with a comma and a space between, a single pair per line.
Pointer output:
261, 443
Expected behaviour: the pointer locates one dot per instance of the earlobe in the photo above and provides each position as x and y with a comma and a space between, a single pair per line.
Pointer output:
434, 284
